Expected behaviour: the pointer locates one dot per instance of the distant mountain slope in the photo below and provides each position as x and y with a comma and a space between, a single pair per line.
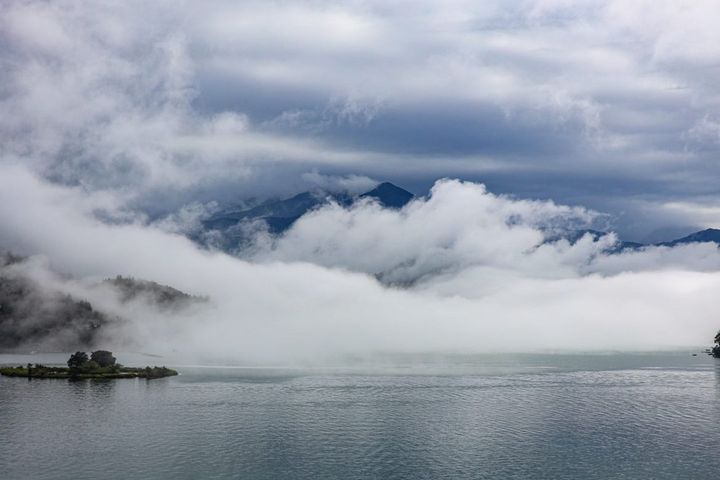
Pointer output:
38, 319
281, 214
34, 317
284, 212
708, 235
154, 293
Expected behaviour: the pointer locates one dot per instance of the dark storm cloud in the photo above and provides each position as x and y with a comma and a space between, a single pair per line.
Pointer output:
450, 128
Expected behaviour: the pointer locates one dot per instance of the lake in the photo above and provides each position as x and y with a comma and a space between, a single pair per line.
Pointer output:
649, 415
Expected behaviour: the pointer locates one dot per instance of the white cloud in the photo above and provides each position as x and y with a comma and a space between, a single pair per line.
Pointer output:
463, 231
291, 311
459, 226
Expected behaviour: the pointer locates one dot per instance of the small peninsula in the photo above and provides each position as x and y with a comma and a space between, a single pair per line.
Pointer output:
715, 351
101, 364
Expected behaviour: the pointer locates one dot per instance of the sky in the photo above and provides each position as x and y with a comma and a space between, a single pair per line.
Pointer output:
124, 123
611, 105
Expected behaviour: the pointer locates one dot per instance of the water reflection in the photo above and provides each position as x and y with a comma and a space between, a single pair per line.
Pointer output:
91, 389
716, 369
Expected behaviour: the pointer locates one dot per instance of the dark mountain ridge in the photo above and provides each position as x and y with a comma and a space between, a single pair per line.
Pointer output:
710, 235
283, 211
703, 236
279, 215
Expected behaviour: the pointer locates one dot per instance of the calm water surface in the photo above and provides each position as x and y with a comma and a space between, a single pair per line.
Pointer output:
651, 416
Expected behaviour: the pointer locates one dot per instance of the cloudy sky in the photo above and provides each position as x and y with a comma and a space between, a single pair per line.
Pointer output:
613, 105
122, 121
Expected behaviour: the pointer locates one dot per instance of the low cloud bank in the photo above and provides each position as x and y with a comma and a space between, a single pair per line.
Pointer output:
460, 225
506, 290
462, 230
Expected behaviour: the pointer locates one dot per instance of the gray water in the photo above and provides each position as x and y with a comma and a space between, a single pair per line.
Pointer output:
650, 416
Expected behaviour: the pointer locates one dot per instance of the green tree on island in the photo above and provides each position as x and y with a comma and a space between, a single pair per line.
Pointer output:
103, 358
716, 349
99, 359
77, 360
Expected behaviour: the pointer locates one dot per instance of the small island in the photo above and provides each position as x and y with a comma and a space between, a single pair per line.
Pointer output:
101, 364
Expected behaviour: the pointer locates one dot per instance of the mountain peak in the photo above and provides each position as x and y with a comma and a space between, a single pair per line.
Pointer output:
389, 195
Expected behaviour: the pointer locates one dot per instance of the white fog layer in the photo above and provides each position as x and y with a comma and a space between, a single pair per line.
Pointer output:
491, 285
514, 126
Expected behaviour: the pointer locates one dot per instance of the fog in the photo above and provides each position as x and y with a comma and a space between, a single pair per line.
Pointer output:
506, 290
124, 124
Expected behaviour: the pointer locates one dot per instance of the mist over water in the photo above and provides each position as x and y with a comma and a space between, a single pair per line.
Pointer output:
119, 137
483, 281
